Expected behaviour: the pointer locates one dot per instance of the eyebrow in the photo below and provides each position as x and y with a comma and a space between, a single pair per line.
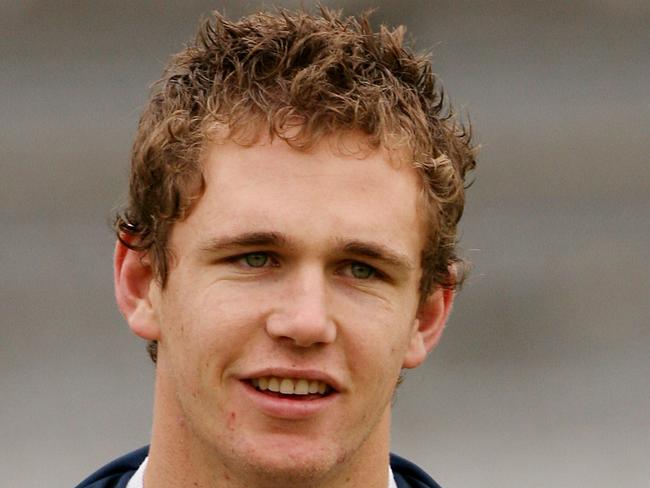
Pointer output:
247, 239
370, 250
378, 252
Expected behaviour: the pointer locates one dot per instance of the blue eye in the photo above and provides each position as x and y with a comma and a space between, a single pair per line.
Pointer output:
256, 259
362, 271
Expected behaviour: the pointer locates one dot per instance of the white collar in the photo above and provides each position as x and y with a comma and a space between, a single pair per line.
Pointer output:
391, 478
137, 480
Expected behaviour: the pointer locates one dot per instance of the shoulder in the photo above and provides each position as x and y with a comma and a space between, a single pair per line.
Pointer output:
117, 473
408, 475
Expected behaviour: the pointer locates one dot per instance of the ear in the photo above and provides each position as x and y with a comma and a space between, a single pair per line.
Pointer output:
428, 326
134, 278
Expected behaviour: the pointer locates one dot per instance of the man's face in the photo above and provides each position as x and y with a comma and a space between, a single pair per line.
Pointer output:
296, 271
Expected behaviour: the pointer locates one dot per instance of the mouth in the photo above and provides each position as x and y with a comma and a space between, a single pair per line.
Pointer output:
291, 388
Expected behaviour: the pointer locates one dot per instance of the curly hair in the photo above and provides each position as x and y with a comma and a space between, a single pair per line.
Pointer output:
321, 75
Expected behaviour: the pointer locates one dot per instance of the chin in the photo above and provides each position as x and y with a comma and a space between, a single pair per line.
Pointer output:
292, 460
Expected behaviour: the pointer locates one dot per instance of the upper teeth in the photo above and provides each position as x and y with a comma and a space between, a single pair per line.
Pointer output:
290, 386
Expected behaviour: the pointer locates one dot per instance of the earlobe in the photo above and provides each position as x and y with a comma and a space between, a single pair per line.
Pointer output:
134, 277
429, 324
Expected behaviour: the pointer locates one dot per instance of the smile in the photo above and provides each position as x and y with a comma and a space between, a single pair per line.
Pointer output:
291, 386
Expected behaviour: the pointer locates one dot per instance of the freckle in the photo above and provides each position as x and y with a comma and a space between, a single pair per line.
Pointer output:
231, 420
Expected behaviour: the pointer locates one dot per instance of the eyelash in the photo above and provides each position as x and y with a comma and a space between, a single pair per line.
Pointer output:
240, 259
374, 272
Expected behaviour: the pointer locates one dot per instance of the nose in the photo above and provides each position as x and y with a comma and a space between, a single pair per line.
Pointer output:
302, 315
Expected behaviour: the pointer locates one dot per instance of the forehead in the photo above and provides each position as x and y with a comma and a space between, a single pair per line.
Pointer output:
337, 189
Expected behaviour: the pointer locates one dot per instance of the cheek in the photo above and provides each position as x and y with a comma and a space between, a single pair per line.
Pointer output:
376, 336
202, 331
220, 310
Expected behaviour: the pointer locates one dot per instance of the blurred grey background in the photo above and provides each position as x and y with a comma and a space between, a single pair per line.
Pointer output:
543, 376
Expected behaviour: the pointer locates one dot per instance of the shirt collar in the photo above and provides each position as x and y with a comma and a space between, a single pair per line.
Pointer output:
137, 480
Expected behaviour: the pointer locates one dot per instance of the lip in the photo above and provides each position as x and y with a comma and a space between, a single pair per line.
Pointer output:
307, 374
289, 408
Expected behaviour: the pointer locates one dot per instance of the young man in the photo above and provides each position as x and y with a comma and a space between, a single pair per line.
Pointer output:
287, 249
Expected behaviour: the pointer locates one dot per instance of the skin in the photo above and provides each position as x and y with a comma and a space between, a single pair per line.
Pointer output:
291, 261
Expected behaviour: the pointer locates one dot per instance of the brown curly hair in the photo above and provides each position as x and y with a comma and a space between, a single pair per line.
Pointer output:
319, 74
